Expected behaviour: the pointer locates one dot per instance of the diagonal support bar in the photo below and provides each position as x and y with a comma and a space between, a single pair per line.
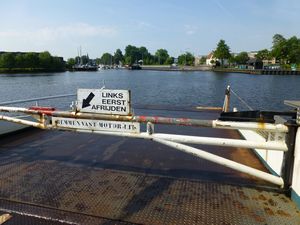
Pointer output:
24, 122
222, 161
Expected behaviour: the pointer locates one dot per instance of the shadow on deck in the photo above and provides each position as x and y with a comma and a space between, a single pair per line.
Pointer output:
94, 179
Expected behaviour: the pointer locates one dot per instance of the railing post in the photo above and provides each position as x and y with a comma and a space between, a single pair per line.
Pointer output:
226, 100
150, 128
298, 116
288, 157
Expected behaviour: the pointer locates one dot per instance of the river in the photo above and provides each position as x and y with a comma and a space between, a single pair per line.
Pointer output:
265, 92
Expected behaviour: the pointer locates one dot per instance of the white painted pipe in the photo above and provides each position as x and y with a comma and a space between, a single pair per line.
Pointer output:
222, 161
13, 109
279, 146
21, 121
36, 99
162, 120
249, 126
226, 142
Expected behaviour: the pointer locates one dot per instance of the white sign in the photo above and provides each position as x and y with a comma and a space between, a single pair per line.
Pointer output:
104, 101
101, 125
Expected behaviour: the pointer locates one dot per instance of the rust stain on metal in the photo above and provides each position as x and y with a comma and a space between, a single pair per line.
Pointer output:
283, 213
262, 197
133, 185
269, 211
272, 202
242, 195
261, 125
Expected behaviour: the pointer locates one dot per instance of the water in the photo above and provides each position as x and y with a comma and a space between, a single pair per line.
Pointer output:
265, 92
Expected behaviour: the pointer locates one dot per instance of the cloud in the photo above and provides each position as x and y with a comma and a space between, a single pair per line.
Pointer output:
190, 29
46, 34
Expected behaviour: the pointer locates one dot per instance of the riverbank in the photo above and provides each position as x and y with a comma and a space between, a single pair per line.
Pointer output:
221, 70
29, 70
176, 68
258, 72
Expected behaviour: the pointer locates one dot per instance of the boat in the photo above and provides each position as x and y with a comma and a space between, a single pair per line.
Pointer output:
134, 67
80, 66
86, 67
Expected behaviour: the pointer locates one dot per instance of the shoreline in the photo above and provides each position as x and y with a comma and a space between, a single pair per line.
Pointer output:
29, 70
257, 71
181, 69
164, 68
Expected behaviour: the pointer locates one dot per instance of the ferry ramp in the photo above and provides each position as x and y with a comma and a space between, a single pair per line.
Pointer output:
55, 177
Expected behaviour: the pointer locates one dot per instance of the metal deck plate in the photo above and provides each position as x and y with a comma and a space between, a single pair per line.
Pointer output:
139, 198
91, 179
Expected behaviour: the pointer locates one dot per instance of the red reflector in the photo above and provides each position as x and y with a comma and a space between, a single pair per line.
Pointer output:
39, 108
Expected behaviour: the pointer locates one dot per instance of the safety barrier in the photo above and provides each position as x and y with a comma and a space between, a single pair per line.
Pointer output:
83, 119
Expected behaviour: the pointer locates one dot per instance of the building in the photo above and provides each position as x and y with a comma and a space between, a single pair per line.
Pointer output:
211, 60
198, 58
266, 62
254, 64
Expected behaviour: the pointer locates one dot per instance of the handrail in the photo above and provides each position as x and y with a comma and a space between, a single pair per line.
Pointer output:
36, 99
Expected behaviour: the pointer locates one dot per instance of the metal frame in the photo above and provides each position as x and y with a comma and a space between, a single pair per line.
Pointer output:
43, 116
283, 137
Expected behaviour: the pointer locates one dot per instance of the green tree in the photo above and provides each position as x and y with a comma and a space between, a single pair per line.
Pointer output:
232, 60
118, 57
279, 48
70, 63
98, 61
186, 59
222, 51
149, 59
144, 54
7, 60
169, 61
203, 60
57, 63
19, 61
132, 54
45, 60
242, 58
107, 58
293, 50
263, 54
162, 56
31, 60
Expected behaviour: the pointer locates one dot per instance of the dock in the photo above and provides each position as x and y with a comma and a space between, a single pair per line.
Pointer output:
56, 177
258, 71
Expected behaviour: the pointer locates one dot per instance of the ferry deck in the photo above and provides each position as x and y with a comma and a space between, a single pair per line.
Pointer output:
59, 177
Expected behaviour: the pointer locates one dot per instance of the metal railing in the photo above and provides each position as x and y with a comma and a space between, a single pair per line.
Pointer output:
36, 99
46, 118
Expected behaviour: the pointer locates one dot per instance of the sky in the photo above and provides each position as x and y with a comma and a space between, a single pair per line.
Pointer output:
98, 26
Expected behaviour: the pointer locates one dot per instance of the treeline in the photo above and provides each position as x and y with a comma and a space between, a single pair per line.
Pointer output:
140, 55
285, 51
30, 61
